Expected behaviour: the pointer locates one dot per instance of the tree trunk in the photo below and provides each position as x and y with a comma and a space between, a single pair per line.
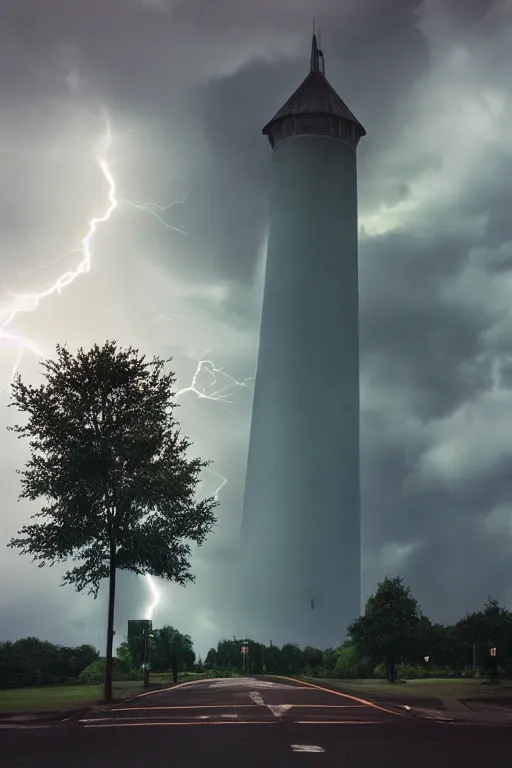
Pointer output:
107, 696
391, 668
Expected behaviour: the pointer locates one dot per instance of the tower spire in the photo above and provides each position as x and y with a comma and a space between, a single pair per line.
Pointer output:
316, 66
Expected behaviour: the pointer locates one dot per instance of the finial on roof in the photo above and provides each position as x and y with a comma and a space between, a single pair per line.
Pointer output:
317, 66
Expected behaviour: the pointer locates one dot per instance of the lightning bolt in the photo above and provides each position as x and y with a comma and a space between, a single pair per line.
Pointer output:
214, 390
151, 582
220, 393
13, 304
157, 210
29, 302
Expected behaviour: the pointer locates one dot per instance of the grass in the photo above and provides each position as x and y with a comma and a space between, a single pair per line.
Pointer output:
64, 697
433, 687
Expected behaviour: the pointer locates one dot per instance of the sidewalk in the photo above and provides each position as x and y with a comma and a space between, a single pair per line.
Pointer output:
461, 712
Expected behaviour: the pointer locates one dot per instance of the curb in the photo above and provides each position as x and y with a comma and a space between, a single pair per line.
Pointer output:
440, 716
61, 715
51, 716
453, 718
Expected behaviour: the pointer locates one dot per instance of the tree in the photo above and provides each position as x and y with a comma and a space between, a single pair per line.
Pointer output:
170, 650
211, 659
30, 661
489, 627
108, 458
388, 632
292, 658
124, 654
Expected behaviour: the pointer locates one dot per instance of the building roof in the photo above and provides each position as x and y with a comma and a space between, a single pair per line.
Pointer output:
315, 96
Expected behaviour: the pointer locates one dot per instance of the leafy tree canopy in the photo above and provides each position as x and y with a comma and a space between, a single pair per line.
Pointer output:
170, 647
390, 625
110, 461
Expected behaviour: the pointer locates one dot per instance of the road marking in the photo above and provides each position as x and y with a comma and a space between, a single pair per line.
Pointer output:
202, 722
6, 727
185, 706
245, 682
306, 748
338, 722
326, 706
170, 688
279, 709
276, 709
365, 702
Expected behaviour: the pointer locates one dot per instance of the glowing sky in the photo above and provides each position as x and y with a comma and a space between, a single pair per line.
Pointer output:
188, 86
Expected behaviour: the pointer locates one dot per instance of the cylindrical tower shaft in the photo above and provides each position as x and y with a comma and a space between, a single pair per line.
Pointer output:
301, 524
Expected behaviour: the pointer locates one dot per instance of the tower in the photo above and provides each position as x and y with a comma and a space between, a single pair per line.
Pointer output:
301, 520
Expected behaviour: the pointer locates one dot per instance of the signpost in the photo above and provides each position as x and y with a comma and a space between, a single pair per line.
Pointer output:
137, 627
245, 650
141, 629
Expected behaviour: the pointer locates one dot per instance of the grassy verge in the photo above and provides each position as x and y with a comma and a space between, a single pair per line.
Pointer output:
437, 688
63, 697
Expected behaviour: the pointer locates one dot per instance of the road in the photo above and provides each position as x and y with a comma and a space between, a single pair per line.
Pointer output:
269, 723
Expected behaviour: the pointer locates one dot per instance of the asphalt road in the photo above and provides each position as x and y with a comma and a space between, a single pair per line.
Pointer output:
244, 722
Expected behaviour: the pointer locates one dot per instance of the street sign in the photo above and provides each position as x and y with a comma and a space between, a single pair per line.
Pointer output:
244, 649
137, 627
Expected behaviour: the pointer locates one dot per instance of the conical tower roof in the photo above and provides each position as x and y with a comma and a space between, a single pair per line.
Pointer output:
315, 97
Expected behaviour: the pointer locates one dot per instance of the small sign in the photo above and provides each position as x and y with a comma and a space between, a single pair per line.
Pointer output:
137, 627
492, 651
427, 659
244, 649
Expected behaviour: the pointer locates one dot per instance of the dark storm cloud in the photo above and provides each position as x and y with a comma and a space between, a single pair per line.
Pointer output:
174, 64
195, 81
413, 337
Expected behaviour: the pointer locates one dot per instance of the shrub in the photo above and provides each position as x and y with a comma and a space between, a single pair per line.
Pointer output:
349, 665
94, 674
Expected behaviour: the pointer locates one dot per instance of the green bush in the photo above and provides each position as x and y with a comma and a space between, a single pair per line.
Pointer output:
349, 665
379, 671
94, 674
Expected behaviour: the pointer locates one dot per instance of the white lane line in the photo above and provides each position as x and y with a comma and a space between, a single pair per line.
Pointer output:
250, 682
257, 698
182, 706
327, 706
338, 722
6, 727
306, 748
181, 725
229, 717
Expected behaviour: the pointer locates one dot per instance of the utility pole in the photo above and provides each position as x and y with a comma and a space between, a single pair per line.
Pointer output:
474, 657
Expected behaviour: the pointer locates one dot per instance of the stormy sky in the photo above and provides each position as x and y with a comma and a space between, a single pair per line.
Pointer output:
186, 86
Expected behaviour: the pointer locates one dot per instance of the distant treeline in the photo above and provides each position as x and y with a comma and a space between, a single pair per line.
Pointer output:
33, 662
392, 638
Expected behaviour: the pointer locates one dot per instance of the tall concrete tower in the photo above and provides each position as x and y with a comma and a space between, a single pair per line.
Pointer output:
301, 523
